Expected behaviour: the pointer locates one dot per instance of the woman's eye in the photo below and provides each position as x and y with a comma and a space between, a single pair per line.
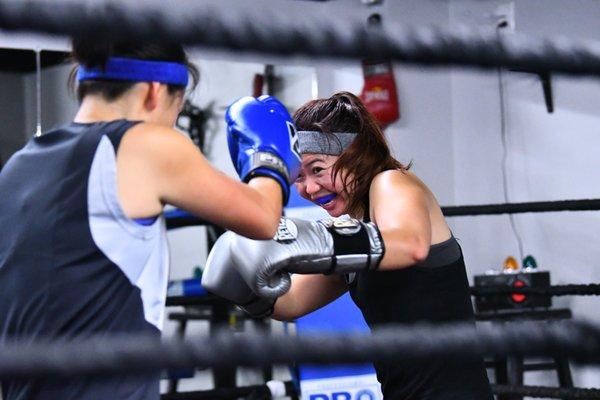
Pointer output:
316, 170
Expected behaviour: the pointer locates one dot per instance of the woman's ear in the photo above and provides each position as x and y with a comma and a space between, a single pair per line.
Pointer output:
152, 95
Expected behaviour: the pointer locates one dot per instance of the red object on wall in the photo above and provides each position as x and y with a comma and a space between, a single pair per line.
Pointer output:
379, 92
257, 85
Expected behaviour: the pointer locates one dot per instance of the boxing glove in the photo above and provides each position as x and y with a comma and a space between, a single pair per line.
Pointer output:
262, 141
221, 278
306, 247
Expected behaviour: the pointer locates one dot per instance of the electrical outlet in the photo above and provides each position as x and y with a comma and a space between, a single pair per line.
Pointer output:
505, 16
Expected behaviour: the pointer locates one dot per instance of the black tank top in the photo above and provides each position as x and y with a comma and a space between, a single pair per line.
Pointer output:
56, 281
435, 290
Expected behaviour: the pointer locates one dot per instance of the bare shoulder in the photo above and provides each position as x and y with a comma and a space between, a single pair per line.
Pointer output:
396, 180
152, 142
146, 134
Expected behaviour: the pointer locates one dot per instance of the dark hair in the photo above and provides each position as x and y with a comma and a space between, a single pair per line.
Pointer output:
369, 153
95, 53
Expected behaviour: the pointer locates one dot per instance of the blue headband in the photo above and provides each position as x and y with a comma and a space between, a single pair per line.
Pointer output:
129, 69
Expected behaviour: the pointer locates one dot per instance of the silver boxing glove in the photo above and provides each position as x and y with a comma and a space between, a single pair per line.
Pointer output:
221, 278
306, 247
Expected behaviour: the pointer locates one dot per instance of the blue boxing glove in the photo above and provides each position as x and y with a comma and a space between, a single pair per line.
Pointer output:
262, 141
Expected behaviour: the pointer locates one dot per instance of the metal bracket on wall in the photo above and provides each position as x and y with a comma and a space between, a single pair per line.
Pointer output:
545, 79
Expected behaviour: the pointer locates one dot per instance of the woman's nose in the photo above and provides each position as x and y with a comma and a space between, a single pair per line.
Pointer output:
312, 186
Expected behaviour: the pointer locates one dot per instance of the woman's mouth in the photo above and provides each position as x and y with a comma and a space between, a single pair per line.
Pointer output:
326, 201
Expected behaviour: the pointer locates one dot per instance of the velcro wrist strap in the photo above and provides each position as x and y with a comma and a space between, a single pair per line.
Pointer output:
259, 307
377, 245
269, 173
356, 245
264, 159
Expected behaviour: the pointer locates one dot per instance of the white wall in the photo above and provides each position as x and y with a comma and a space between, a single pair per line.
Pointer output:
451, 128
550, 156
423, 133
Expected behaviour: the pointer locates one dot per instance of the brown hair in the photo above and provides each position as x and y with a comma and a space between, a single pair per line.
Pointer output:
95, 53
369, 153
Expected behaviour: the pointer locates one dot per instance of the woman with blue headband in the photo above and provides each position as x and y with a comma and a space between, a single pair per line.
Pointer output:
83, 249
393, 251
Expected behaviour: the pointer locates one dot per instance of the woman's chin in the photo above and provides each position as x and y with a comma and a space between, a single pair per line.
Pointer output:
335, 213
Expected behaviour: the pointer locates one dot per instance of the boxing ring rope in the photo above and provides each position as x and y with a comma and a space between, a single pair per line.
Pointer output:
264, 391
578, 340
547, 392
247, 392
293, 28
179, 218
516, 208
592, 289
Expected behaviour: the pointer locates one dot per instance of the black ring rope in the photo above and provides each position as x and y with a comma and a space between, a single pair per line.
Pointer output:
592, 289
178, 218
289, 28
184, 220
579, 341
548, 392
515, 208
527, 313
222, 393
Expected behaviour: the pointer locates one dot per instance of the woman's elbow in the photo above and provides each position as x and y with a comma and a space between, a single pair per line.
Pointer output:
284, 314
404, 250
263, 228
283, 317
268, 228
419, 251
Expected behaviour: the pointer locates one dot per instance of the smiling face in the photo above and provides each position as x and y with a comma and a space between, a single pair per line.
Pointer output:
316, 183
356, 165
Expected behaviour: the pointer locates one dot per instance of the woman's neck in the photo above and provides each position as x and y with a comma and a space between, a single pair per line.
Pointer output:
359, 215
96, 109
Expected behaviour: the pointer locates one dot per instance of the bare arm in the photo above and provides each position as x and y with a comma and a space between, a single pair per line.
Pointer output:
163, 166
400, 211
307, 294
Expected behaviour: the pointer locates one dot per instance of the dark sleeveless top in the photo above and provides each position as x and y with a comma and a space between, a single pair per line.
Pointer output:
435, 290
56, 281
